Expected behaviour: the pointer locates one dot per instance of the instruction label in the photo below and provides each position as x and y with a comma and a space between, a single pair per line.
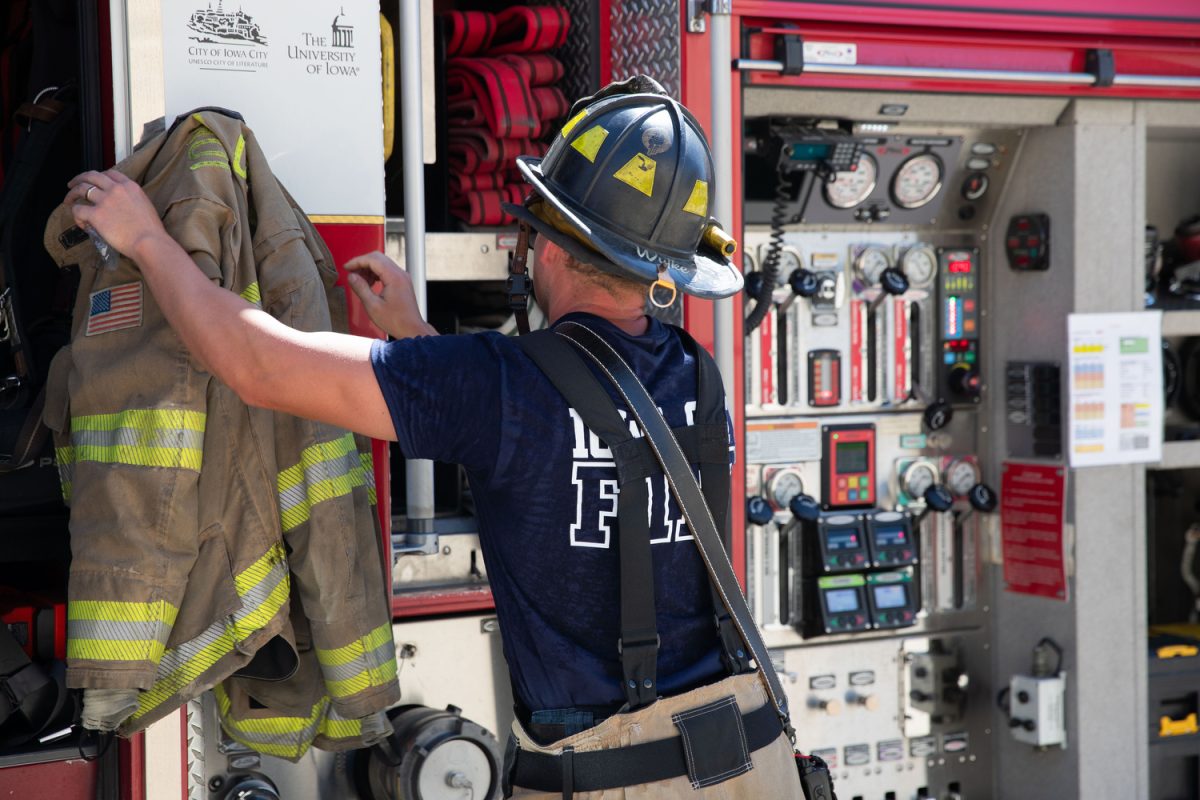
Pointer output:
1032, 500
1115, 397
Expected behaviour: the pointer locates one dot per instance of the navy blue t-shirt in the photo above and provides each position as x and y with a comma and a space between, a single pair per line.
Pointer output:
545, 493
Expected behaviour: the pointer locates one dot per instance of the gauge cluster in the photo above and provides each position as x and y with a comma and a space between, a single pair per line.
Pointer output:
899, 179
945, 177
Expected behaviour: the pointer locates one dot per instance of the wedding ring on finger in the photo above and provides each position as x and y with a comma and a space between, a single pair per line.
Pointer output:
88, 194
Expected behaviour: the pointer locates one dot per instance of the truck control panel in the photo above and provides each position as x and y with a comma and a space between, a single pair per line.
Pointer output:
863, 379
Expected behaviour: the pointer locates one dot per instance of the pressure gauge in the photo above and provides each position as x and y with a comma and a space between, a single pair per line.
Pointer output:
961, 475
919, 265
917, 181
917, 477
783, 486
852, 187
789, 262
871, 263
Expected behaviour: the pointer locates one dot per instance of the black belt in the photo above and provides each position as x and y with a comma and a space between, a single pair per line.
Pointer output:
630, 766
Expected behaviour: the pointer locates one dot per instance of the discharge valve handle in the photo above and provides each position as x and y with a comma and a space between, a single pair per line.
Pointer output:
758, 511
937, 498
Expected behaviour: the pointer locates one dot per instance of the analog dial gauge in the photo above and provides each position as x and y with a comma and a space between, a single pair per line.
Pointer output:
917, 181
871, 263
852, 187
789, 261
917, 477
783, 486
961, 475
919, 265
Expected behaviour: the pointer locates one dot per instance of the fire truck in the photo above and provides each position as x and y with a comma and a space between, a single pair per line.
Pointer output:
963, 375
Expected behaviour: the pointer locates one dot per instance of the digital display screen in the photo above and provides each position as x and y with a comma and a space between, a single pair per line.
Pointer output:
851, 458
808, 152
890, 596
891, 536
840, 601
961, 266
841, 539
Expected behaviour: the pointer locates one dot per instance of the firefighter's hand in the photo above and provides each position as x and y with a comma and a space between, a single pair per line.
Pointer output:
387, 294
115, 207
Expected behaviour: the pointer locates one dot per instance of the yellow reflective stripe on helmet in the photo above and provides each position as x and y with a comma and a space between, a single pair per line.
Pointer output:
107, 630
252, 294
638, 173
141, 437
572, 122
363, 664
588, 143
263, 588
326, 470
697, 202
239, 157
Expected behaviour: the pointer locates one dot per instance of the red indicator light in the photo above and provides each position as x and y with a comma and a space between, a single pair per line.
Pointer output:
961, 266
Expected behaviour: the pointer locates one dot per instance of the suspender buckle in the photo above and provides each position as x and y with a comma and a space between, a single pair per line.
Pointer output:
656, 643
518, 291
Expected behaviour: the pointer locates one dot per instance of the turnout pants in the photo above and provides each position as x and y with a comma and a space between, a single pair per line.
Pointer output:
767, 772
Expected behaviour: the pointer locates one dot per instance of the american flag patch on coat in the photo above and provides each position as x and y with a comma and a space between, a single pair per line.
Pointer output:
115, 309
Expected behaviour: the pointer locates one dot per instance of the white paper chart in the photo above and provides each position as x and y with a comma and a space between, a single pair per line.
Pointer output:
1115, 394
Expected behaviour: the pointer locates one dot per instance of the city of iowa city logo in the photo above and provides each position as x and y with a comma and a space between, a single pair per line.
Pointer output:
225, 27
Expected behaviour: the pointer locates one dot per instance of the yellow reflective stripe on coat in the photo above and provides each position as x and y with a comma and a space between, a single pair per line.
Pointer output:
368, 467
141, 437
285, 737
252, 294
263, 588
64, 457
326, 470
109, 630
363, 664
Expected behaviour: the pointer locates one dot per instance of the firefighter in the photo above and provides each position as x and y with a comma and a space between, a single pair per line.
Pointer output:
620, 207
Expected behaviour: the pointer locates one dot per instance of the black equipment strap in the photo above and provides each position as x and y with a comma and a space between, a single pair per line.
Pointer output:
638, 645
714, 482
519, 284
635, 765
687, 494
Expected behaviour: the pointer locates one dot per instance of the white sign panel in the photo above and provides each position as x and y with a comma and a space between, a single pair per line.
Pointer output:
1115, 396
306, 78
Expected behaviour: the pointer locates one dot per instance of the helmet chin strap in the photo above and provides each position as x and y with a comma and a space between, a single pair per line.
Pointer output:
519, 285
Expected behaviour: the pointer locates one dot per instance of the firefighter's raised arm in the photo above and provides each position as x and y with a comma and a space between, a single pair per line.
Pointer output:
325, 376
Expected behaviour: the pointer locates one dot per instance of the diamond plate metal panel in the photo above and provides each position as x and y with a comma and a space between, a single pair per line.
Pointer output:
580, 55
645, 38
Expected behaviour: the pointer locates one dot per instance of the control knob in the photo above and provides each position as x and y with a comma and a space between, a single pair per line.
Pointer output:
964, 380
758, 511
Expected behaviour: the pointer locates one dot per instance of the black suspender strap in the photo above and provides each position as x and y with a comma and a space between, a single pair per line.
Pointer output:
519, 284
638, 644
714, 482
687, 494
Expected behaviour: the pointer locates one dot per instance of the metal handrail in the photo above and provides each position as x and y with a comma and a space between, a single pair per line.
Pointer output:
959, 74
